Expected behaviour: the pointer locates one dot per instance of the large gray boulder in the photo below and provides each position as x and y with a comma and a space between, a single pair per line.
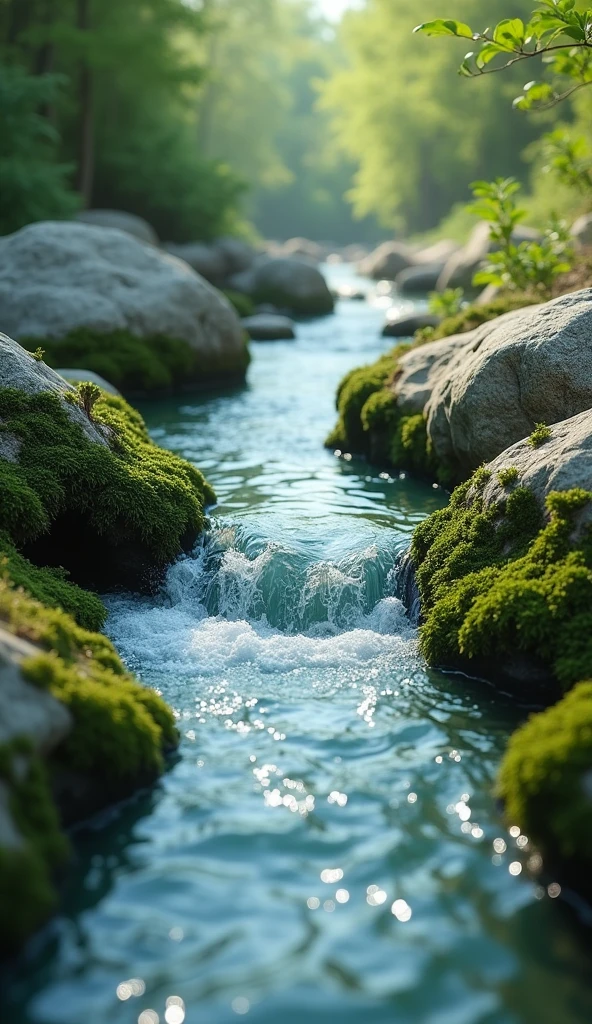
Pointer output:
483, 391
205, 259
560, 464
287, 284
128, 222
59, 276
387, 261
462, 266
216, 261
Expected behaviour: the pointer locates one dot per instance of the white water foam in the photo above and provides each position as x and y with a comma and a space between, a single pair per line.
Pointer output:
215, 609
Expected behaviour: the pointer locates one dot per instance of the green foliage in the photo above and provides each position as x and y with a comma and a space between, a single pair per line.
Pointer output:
38, 354
33, 184
129, 492
495, 580
473, 316
568, 158
27, 895
542, 774
135, 365
417, 133
447, 303
508, 476
540, 434
558, 31
523, 266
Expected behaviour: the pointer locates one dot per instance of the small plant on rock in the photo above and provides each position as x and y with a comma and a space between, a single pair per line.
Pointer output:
529, 266
38, 354
508, 476
540, 434
446, 303
85, 396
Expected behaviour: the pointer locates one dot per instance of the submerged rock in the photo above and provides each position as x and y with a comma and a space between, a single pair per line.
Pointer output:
269, 327
90, 293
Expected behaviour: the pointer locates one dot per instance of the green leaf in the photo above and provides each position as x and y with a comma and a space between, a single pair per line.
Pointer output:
487, 54
510, 33
445, 27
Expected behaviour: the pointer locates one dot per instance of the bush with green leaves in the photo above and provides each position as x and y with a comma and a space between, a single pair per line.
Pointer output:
569, 158
528, 266
558, 35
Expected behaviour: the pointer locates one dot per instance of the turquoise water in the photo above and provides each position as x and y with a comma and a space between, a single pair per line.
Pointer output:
322, 848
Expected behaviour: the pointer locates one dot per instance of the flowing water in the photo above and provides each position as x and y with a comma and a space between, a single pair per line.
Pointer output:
325, 847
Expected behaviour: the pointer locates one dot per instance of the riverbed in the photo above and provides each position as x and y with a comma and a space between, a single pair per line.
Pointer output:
325, 847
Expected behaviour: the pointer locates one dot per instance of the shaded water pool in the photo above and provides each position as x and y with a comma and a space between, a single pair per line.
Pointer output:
322, 849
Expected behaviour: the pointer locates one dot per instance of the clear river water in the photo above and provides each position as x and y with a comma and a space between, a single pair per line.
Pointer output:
325, 848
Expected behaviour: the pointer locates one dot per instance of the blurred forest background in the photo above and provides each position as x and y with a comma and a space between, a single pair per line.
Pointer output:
261, 118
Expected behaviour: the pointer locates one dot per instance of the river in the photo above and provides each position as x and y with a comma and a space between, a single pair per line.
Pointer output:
325, 848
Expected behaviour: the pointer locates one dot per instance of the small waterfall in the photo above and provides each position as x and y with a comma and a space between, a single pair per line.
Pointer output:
406, 587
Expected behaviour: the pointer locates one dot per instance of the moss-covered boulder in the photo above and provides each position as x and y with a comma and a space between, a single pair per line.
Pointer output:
82, 488
478, 392
89, 490
545, 782
504, 573
95, 297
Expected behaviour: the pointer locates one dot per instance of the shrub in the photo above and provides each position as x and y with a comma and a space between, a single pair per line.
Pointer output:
508, 476
540, 434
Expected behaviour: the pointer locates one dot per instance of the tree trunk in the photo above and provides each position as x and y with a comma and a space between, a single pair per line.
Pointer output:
86, 159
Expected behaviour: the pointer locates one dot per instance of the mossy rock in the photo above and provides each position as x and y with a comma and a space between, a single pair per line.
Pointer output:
119, 735
371, 424
500, 582
112, 514
155, 365
545, 782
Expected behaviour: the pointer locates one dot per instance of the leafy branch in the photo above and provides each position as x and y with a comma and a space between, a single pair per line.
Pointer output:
557, 33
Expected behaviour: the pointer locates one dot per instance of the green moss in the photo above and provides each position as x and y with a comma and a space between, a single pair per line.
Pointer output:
358, 391
27, 894
540, 434
140, 365
127, 495
243, 305
495, 580
542, 777
475, 315
508, 476
410, 447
